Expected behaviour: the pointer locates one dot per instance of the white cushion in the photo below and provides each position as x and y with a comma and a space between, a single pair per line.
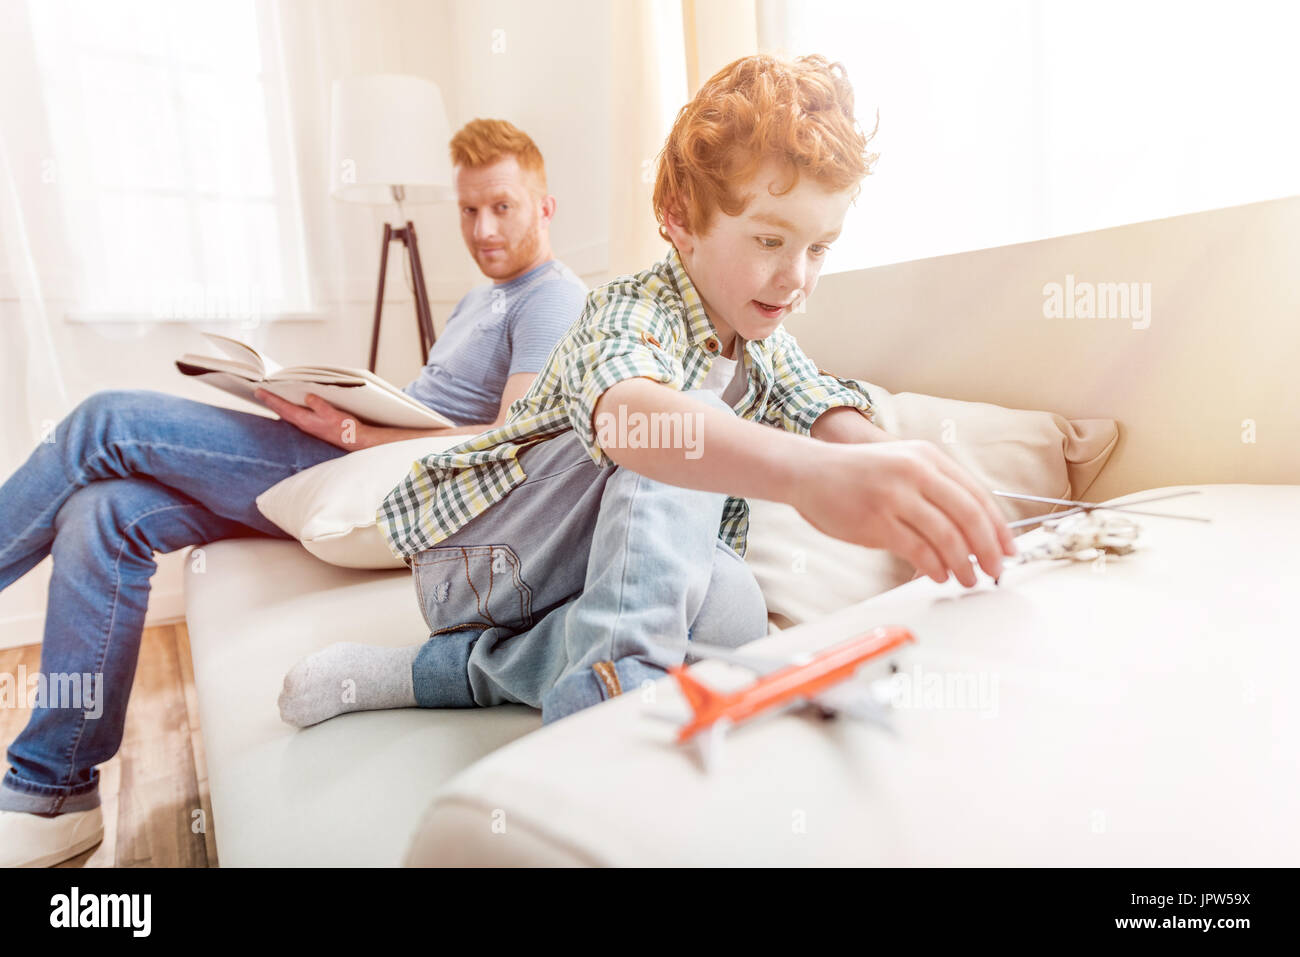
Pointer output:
804, 573
1142, 713
331, 507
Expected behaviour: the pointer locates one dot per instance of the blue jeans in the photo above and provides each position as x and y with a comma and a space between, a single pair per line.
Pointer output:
128, 473
581, 583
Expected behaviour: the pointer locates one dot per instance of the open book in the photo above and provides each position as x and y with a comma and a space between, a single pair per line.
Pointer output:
355, 391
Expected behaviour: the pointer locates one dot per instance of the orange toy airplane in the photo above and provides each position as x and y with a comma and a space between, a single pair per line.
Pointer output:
806, 681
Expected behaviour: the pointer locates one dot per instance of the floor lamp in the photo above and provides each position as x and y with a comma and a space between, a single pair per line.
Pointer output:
388, 145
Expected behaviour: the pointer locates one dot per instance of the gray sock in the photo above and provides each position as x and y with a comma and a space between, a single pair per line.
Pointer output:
347, 677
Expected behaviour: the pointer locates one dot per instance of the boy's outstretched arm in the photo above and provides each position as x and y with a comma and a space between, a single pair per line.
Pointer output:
903, 495
845, 423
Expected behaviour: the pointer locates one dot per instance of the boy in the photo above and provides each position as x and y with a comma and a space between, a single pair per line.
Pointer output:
591, 579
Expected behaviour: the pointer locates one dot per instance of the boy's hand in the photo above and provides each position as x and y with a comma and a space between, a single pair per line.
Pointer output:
320, 419
908, 497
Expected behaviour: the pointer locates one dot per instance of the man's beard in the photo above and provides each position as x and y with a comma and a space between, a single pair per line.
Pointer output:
521, 255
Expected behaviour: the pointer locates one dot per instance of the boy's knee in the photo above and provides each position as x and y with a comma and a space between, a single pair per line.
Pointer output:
734, 611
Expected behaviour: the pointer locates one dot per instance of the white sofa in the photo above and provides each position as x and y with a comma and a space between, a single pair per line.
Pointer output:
1101, 677
1137, 715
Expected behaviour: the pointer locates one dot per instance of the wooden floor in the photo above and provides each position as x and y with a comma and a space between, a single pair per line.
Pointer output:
154, 791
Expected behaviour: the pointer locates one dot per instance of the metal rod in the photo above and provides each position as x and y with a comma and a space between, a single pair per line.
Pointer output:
1038, 519
1067, 501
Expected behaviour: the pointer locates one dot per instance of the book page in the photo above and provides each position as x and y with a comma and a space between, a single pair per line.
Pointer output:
355, 396
312, 372
243, 352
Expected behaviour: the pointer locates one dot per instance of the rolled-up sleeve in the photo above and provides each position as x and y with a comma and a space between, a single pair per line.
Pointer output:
801, 392
621, 336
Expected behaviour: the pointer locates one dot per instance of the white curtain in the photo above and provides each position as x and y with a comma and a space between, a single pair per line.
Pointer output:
55, 222
648, 87
33, 394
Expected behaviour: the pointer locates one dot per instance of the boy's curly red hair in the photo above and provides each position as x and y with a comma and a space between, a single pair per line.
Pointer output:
797, 111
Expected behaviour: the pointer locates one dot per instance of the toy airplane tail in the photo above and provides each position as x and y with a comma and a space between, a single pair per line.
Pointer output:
701, 698
706, 706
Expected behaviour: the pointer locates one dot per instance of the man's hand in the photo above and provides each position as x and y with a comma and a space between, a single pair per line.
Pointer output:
908, 497
320, 419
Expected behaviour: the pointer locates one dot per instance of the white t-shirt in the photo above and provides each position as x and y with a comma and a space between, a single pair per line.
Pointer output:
728, 377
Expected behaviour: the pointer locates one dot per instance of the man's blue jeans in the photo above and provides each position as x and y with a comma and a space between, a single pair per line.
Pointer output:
128, 473
581, 583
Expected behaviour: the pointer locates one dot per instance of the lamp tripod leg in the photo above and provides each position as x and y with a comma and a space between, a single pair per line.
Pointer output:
379, 296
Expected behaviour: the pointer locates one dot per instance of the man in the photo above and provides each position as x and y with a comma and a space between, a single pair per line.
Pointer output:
504, 215
133, 472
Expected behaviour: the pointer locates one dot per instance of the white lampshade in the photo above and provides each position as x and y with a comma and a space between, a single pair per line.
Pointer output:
387, 131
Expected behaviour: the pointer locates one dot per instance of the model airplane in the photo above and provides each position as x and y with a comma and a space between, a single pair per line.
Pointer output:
809, 681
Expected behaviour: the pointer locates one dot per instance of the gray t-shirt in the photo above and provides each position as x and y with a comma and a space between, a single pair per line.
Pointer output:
496, 331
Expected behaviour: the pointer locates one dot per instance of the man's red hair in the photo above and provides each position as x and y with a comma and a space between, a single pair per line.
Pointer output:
482, 142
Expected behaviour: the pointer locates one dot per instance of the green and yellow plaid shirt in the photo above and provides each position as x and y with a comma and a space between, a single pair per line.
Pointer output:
650, 324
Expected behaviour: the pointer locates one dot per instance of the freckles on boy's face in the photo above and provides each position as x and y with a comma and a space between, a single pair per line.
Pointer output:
752, 269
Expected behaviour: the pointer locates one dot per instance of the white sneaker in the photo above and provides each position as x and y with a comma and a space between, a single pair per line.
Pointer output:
29, 840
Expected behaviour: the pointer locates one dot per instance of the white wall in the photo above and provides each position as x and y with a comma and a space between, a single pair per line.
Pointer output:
1201, 382
545, 67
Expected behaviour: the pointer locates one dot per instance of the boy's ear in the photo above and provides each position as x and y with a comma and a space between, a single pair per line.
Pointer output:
677, 231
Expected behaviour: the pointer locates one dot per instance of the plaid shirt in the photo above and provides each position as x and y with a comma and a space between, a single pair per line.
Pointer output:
650, 324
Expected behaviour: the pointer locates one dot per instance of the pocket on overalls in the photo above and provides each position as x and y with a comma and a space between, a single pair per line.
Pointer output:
472, 586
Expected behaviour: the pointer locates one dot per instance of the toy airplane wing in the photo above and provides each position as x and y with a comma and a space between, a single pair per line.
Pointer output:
815, 680
856, 703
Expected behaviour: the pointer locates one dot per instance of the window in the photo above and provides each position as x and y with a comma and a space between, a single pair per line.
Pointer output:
173, 157
1014, 121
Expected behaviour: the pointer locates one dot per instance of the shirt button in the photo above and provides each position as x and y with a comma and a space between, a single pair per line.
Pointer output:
711, 344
